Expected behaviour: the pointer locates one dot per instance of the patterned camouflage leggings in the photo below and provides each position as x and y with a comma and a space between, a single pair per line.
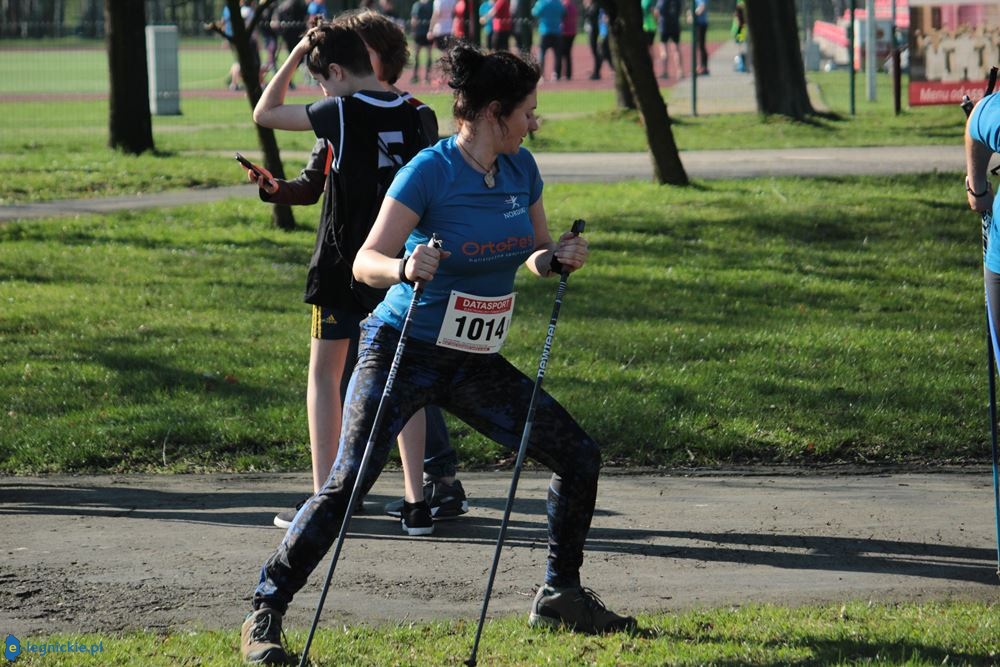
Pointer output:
486, 392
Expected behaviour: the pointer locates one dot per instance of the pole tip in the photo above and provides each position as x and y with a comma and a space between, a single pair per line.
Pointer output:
471, 662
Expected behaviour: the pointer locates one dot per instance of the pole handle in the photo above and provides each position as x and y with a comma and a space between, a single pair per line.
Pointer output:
991, 83
576, 230
434, 242
967, 105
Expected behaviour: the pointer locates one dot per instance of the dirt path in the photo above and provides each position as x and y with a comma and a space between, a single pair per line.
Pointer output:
104, 554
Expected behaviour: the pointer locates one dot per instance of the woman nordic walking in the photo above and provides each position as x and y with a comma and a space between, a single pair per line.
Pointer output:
481, 194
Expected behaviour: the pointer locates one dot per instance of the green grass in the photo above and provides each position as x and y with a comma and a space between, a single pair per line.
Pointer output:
786, 320
56, 148
953, 633
874, 123
81, 66
44, 158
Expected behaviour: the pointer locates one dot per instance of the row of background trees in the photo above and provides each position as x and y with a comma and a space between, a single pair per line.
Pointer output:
773, 24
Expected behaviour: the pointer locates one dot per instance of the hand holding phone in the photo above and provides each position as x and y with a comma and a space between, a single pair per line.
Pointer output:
262, 177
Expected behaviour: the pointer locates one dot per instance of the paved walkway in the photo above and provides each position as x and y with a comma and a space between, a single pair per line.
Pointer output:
594, 167
167, 552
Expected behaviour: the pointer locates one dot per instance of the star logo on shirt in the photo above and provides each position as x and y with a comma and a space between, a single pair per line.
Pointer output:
512, 200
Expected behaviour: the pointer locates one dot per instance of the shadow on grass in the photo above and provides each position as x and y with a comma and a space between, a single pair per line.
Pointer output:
819, 120
823, 651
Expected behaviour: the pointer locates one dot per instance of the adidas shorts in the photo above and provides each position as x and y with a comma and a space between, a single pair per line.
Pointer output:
334, 323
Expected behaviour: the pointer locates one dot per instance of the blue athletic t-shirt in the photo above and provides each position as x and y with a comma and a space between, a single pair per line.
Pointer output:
984, 127
487, 230
550, 15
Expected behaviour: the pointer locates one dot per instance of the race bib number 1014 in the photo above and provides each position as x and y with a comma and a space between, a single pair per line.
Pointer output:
476, 324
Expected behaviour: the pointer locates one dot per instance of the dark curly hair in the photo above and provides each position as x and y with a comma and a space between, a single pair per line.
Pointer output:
337, 44
479, 79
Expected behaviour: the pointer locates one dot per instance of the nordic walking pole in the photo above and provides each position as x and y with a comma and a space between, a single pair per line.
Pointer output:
418, 290
991, 369
577, 229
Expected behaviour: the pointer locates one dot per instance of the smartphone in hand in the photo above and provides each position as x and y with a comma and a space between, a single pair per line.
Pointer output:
251, 166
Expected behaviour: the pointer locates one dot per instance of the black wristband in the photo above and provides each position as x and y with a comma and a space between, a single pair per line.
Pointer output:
555, 266
968, 188
402, 272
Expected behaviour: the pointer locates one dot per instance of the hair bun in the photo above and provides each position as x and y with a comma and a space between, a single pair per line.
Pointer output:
479, 79
462, 63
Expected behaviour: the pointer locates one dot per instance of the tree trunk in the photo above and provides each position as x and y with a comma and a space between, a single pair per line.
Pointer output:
281, 214
779, 75
90, 19
130, 122
156, 16
202, 11
249, 59
625, 22
59, 14
623, 94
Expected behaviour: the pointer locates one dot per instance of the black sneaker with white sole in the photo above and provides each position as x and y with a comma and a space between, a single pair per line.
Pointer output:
447, 501
416, 519
284, 519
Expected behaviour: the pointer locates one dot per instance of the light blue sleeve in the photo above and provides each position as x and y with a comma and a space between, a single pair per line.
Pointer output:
415, 183
984, 124
536, 184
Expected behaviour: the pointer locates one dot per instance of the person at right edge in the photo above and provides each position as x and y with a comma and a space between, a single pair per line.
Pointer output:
982, 139
480, 192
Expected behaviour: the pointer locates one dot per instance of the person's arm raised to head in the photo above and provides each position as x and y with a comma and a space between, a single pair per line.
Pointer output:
271, 110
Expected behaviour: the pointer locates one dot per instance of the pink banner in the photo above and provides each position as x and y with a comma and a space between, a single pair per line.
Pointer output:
933, 92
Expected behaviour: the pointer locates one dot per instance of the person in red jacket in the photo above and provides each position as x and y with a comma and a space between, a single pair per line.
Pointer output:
503, 24
460, 20
564, 60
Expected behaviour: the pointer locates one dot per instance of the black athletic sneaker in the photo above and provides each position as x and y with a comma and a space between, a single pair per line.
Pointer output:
578, 609
416, 519
447, 501
260, 638
284, 519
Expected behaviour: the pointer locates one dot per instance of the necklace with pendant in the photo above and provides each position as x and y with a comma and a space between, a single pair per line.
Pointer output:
488, 178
